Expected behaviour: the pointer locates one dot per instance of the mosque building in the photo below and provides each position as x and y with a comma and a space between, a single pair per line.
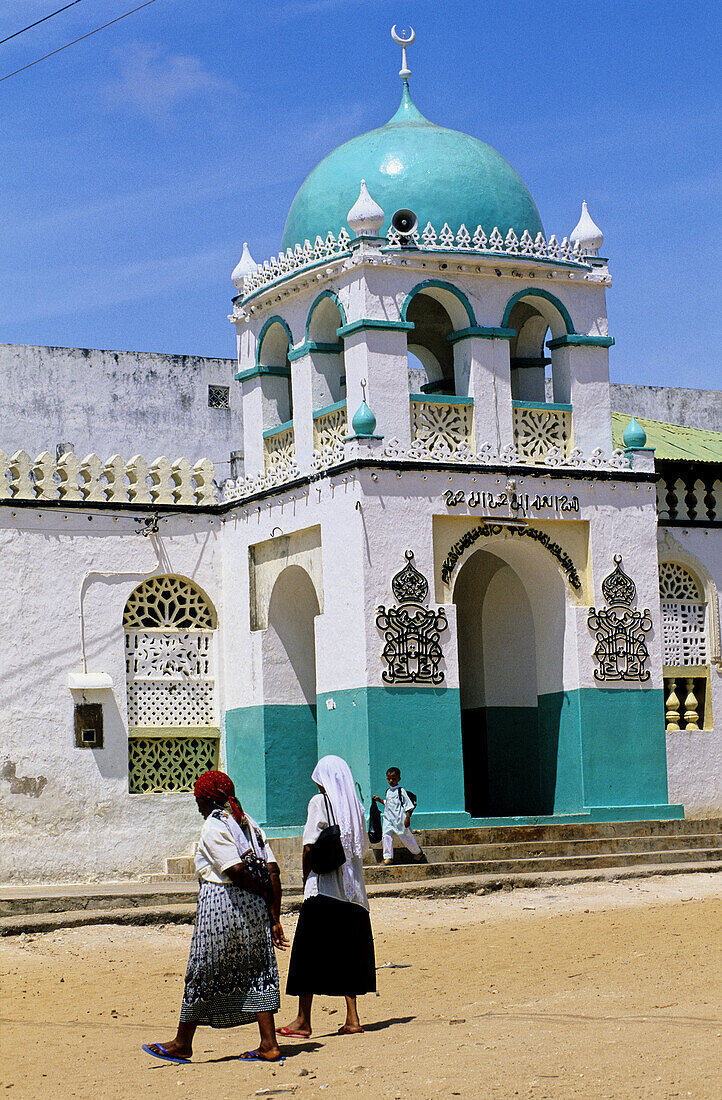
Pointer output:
436, 543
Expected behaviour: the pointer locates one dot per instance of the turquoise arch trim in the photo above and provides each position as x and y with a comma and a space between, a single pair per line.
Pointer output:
573, 340
314, 345
256, 372
275, 320
481, 332
537, 292
439, 284
336, 301
374, 322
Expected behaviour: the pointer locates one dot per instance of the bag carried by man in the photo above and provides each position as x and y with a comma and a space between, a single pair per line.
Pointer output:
374, 822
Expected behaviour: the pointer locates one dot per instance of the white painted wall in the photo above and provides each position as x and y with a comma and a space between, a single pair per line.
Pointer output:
117, 402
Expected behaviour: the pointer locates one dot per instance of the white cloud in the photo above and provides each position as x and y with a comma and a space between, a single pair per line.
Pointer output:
154, 82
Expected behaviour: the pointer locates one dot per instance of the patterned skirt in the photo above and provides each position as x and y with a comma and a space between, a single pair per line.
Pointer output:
232, 972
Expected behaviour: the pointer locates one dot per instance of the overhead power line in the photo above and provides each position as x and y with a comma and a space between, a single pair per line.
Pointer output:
39, 21
75, 40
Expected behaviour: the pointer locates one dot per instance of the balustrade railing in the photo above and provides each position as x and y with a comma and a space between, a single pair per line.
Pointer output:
136, 481
540, 428
441, 421
685, 698
279, 448
689, 493
330, 427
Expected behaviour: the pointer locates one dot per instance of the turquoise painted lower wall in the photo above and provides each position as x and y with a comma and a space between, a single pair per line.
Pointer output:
271, 752
416, 729
593, 753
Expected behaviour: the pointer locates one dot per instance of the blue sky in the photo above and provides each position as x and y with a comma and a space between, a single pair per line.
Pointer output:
135, 164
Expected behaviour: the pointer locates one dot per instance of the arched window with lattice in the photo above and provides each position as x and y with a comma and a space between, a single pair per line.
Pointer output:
173, 731
685, 647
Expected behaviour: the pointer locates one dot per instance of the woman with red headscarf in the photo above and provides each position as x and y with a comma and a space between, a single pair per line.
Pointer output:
232, 977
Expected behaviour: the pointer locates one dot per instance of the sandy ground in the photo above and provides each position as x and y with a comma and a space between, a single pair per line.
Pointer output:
595, 990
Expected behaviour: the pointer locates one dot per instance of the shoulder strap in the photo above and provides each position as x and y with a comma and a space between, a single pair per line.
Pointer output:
329, 809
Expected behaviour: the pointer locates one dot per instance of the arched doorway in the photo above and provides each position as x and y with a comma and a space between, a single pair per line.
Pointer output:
509, 743
289, 689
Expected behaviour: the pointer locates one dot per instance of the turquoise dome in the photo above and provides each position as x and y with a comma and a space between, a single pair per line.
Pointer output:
442, 175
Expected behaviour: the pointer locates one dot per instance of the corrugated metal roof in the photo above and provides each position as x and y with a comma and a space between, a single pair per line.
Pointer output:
673, 441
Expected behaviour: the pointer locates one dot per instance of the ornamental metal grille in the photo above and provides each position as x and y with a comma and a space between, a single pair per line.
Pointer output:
677, 583
170, 684
437, 422
219, 397
538, 431
684, 617
163, 602
620, 629
169, 763
412, 649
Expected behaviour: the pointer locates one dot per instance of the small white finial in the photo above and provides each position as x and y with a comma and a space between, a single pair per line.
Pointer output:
365, 217
587, 234
404, 71
245, 266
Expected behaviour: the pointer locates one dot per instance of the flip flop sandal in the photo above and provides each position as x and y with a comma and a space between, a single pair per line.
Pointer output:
163, 1054
254, 1056
292, 1034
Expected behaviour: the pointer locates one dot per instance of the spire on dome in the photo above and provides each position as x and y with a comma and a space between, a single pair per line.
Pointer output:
587, 234
365, 217
245, 266
404, 71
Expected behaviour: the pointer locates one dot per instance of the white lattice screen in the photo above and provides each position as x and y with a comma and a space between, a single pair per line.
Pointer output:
170, 685
684, 617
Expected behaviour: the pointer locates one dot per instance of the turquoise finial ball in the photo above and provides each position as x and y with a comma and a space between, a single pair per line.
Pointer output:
364, 421
634, 436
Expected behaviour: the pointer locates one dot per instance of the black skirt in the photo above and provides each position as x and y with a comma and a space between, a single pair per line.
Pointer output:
333, 950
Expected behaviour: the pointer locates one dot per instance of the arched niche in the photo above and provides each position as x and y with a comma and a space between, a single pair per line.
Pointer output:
325, 348
534, 314
436, 310
289, 696
509, 604
274, 344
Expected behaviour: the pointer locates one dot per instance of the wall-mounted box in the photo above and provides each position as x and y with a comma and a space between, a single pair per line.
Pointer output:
88, 726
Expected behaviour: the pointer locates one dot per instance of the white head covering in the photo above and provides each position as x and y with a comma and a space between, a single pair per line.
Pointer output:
334, 775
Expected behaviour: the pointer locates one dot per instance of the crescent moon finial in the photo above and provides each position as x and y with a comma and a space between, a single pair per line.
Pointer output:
403, 41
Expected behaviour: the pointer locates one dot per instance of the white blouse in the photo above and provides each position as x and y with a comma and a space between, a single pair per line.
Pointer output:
217, 850
331, 883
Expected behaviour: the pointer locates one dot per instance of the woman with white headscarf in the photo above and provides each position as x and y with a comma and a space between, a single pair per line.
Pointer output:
333, 949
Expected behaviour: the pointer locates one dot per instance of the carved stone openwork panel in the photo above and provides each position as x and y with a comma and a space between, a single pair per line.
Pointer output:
330, 430
620, 629
170, 685
169, 763
434, 422
539, 431
279, 451
684, 616
412, 632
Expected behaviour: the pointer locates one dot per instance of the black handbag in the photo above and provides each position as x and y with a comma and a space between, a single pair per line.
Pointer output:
374, 822
327, 852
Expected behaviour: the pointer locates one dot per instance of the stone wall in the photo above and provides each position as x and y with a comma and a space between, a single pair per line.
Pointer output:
117, 402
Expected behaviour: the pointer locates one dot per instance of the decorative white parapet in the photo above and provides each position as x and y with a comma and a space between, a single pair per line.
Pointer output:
115, 481
477, 243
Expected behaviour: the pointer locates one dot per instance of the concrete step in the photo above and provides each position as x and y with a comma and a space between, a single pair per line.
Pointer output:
414, 872
155, 906
504, 834
601, 846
